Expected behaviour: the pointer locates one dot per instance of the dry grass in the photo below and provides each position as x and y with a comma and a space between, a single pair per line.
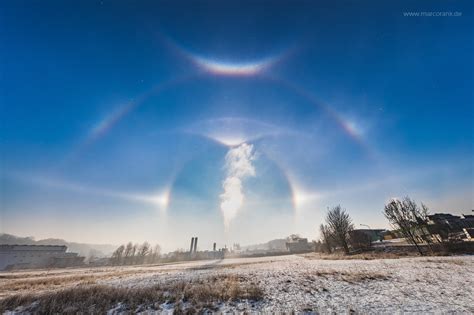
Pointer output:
45, 283
356, 277
197, 294
25, 282
363, 256
16, 283
350, 277
454, 262
30, 281
217, 266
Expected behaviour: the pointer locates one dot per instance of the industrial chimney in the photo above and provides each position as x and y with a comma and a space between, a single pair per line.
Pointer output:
195, 243
192, 245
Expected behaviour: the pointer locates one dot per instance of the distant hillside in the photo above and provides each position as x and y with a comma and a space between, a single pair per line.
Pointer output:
277, 244
87, 250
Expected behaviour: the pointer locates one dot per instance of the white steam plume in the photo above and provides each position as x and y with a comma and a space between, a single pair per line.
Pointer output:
238, 166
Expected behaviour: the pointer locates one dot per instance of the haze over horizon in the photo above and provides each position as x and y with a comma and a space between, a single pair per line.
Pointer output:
234, 122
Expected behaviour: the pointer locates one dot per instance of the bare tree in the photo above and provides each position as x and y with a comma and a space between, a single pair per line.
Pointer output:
326, 237
155, 254
340, 225
128, 253
143, 251
317, 244
408, 218
117, 255
134, 253
423, 224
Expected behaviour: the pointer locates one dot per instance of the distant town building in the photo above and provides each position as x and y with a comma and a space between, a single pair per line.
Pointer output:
445, 226
236, 248
373, 235
296, 244
37, 256
361, 239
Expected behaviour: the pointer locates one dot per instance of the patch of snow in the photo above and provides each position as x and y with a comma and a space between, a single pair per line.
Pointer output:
293, 283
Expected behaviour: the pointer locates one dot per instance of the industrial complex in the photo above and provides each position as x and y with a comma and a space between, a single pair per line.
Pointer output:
37, 256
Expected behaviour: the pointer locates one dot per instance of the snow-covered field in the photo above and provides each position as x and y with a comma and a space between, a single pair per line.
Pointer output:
297, 283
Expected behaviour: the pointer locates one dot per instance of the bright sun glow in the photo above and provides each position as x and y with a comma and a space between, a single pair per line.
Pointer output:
303, 197
159, 200
228, 140
220, 67
231, 131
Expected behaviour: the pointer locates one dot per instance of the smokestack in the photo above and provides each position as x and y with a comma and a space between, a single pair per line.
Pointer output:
214, 247
195, 243
192, 245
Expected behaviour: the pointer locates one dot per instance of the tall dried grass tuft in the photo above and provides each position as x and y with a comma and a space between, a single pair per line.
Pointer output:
195, 294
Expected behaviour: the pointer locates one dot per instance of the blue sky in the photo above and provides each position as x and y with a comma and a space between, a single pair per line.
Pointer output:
126, 119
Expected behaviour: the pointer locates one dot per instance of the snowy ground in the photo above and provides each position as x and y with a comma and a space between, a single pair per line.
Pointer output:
296, 283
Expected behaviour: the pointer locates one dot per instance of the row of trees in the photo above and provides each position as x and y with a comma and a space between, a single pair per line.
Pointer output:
405, 216
136, 254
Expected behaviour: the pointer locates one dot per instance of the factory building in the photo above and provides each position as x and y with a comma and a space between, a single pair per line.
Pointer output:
37, 256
